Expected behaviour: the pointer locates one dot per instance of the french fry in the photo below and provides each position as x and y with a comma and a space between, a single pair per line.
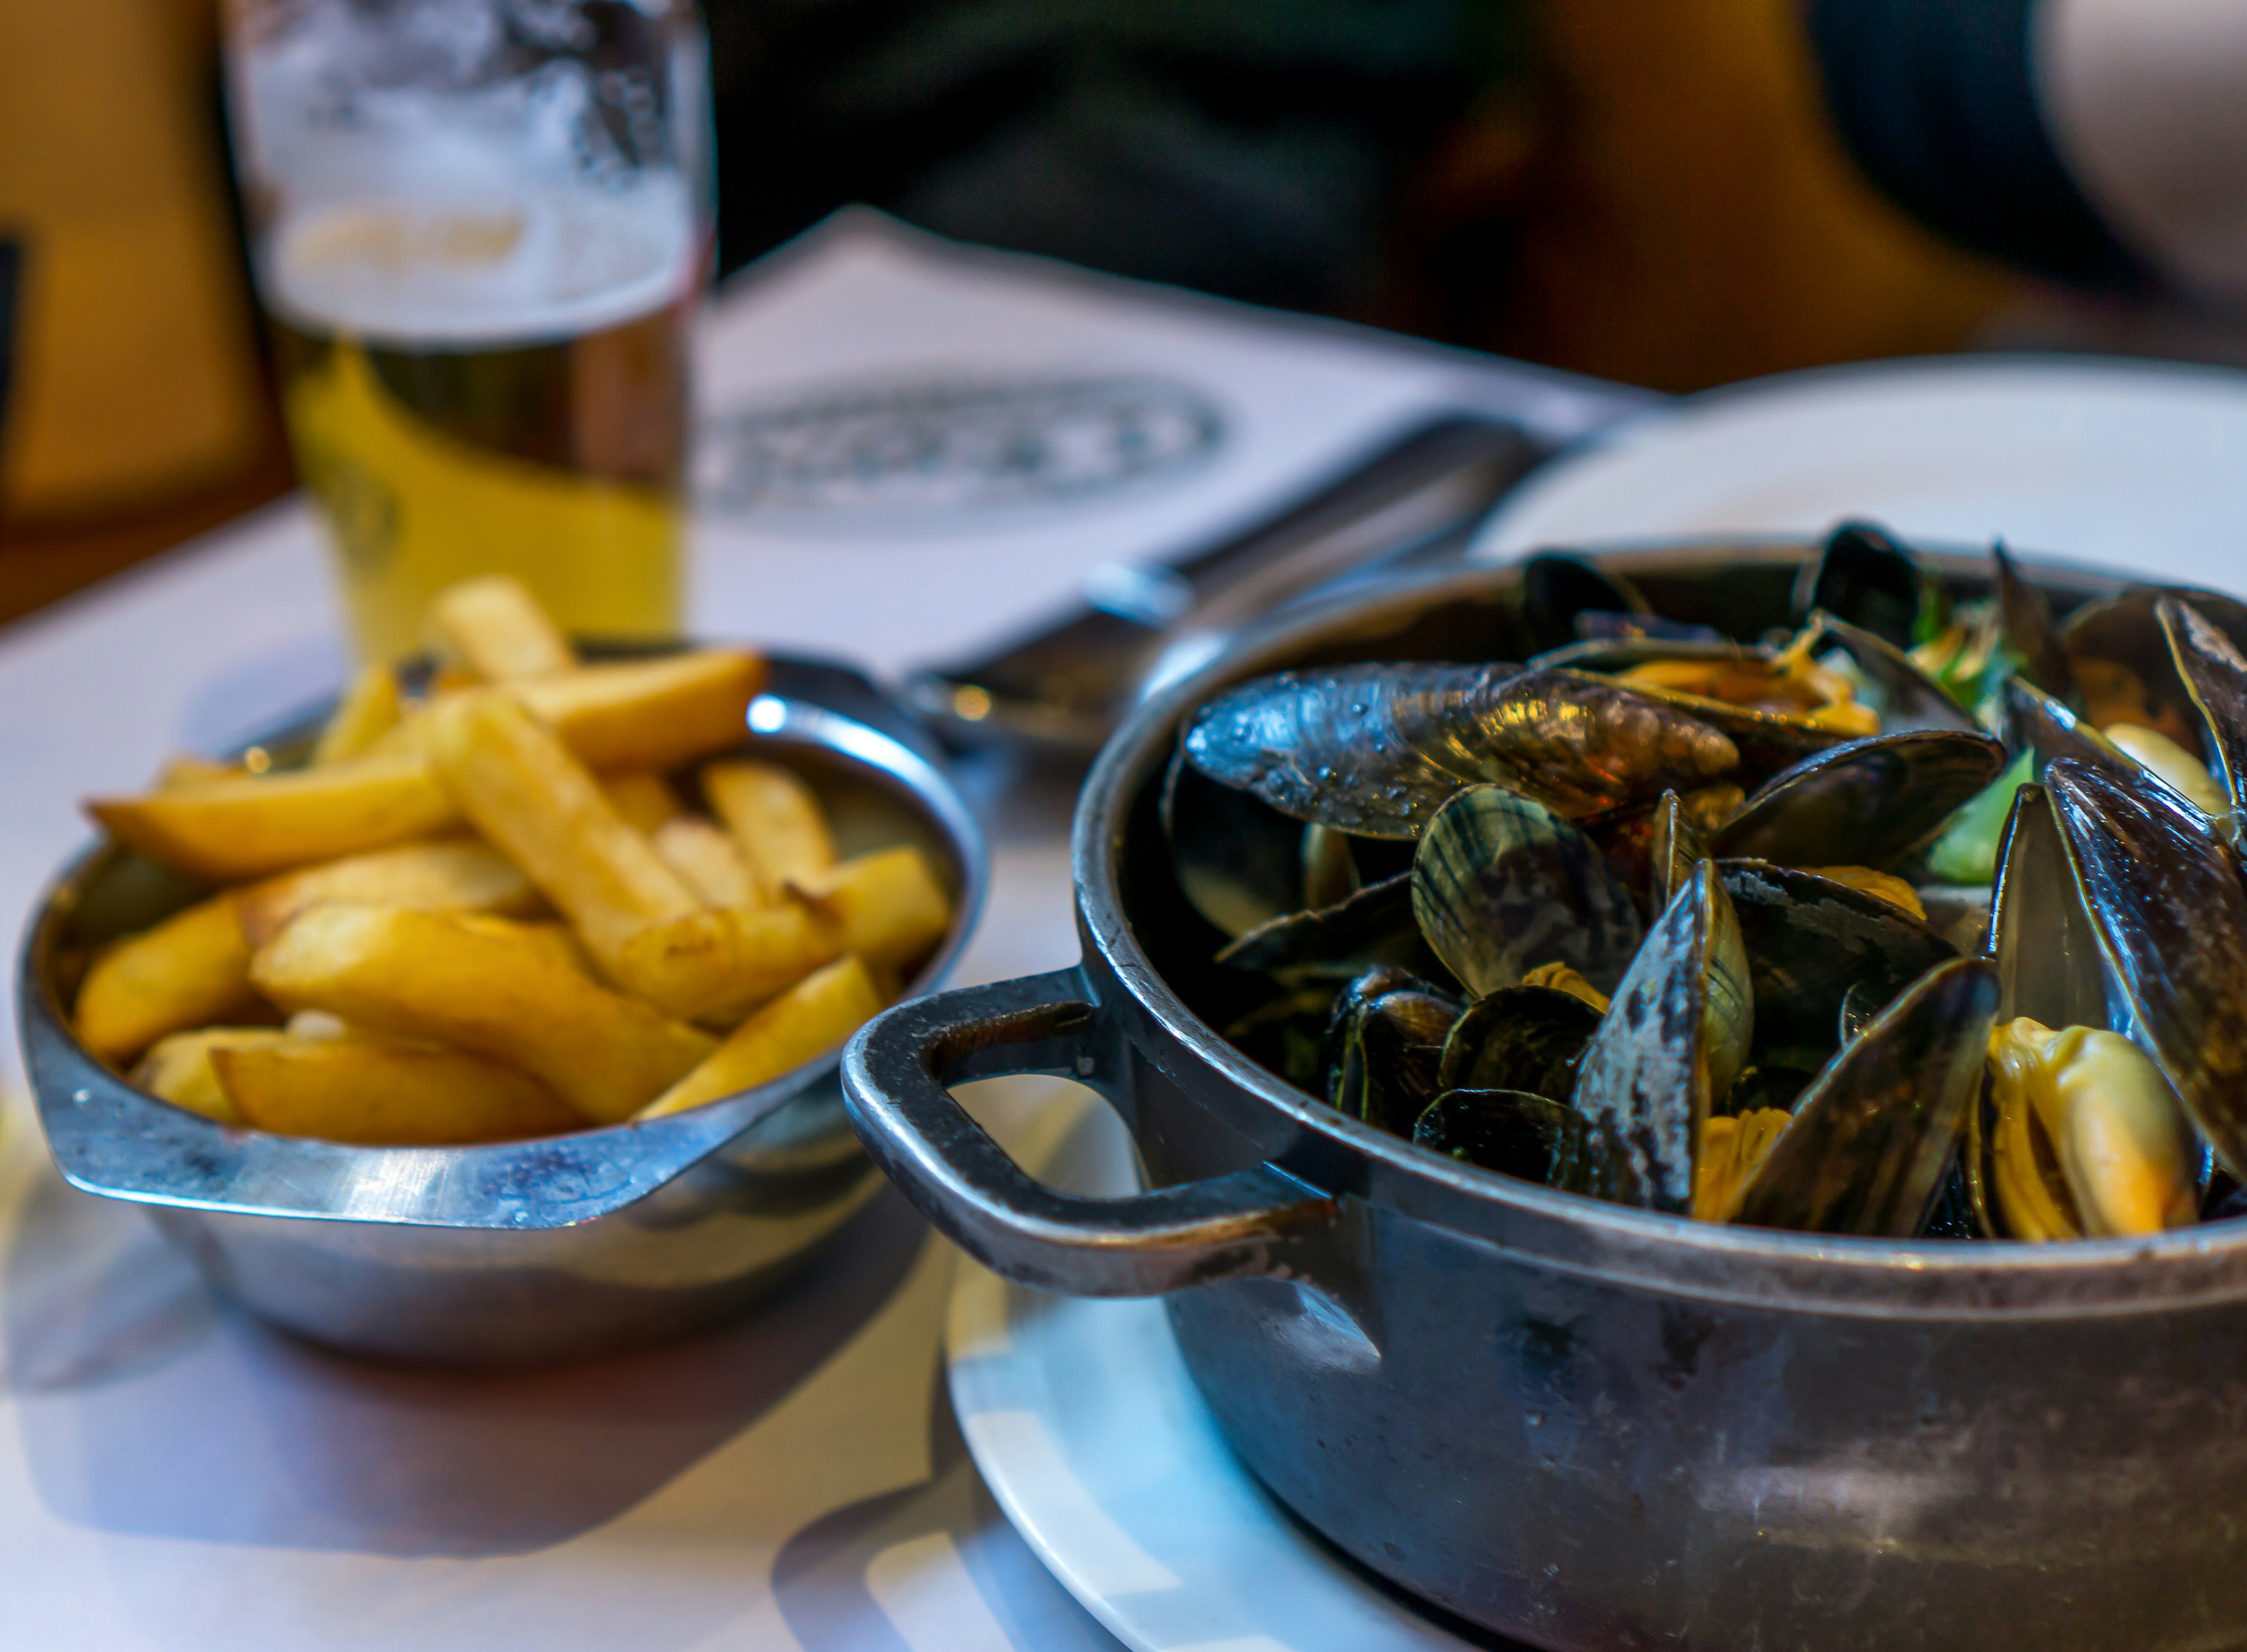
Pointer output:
497, 628
368, 710
720, 966
458, 875
189, 971
426, 975
526, 793
384, 1092
811, 1018
708, 861
888, 906
230, 830
642, 796
776, 819
178, 1069
649, 713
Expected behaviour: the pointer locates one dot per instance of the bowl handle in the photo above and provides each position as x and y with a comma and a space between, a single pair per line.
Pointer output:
894, 1077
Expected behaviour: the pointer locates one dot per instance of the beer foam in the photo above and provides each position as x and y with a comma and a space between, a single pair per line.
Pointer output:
486, 268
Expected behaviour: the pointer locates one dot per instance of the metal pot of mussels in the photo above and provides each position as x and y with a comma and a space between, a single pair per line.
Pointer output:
1690, 1097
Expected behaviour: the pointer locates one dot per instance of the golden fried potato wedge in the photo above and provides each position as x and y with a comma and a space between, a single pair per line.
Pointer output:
428, 975
642, 796
708, 861
455, 875
523, 790
811, 1018
178, 1069
889, 906
384, 1092
774, 816
369, 709
717, 967
495, 627
226, 830
190, 970
649, 713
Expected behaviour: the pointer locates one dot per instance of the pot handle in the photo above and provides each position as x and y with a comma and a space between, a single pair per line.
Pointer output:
894, 1077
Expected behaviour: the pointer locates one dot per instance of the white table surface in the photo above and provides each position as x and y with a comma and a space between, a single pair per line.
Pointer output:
173, 1477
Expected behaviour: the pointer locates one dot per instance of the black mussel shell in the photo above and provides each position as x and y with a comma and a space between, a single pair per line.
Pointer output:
2123, 669
2035, 721
1391, 1049
1952, 1217
1666, 1052
1872, 1138
1519, 1038
2166, 895
1678, 846
1557, 586
1809, 940
1377, 750
2215, 674
1906, 697
1529, 1136
1502, 885
2030, 635
2049, 966
1238, 862
1767, 1086
1373, 926
1867, 803
1958, 912
1864, 576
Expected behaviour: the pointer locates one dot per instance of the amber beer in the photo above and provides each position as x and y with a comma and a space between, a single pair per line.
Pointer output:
477, 388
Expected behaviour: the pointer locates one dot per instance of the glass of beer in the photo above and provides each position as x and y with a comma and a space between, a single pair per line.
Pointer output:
480, 228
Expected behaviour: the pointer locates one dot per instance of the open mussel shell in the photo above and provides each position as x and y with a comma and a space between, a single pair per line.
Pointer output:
1511, 1131
2049, 966
2036, 722
1678, 843
1865, 576
1872, 1138
1671, 1043
1373, 926
2122, 666
1867, 803
2030, 635
1809, 940
2165, 897
1502, 885
1377, 750
1238, 861
1519, 1038
2215, 674
1906, 697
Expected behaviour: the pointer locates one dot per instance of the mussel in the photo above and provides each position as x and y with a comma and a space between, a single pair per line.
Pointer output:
1768, 932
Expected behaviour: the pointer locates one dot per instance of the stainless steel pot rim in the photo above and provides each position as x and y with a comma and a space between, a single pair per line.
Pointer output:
111, 1139
1339, 1155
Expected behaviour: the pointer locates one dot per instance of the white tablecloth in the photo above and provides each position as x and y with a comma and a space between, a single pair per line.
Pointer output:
173, 1477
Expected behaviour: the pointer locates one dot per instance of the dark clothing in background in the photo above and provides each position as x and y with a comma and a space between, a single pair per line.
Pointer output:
1246, 148
1937, 100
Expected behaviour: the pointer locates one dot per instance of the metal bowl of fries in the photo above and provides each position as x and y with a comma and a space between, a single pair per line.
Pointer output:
495, 1019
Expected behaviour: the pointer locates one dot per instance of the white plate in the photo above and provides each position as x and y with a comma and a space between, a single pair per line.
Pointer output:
2135, 465
1093, 1438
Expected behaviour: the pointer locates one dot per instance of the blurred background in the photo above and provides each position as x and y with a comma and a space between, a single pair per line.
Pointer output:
1646, 190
